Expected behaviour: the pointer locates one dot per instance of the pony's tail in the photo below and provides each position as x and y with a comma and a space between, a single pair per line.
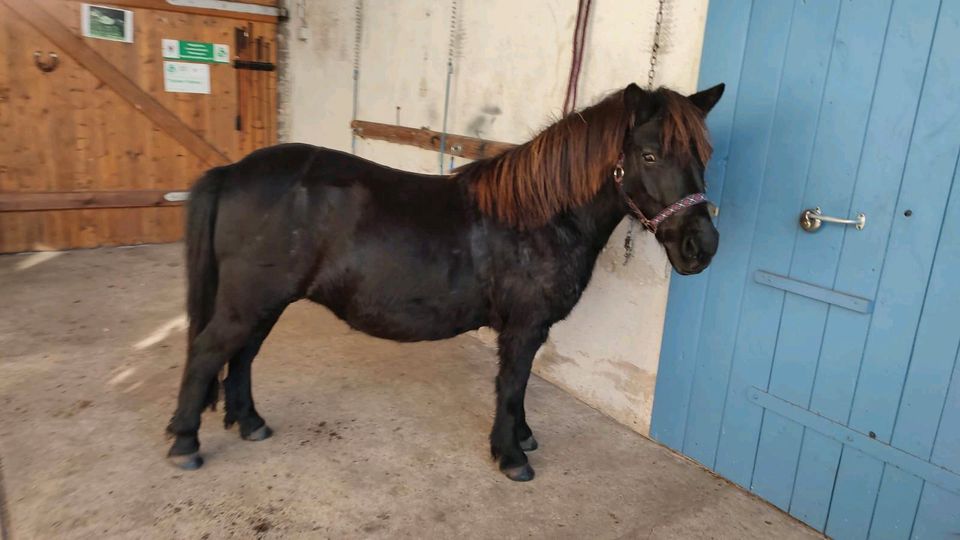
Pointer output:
202, 264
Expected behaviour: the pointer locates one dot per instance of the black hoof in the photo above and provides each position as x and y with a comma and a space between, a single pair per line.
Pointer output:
523, 473
529, 444
259, 434
187, 462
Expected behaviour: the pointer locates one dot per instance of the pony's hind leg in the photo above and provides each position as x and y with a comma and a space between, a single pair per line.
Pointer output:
517, 348
222, 337
242, 305
238, 387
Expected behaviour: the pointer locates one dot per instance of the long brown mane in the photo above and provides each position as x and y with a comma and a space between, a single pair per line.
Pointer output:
568, 162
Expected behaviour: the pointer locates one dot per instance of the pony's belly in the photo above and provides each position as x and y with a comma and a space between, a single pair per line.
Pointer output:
411, 318
413, 321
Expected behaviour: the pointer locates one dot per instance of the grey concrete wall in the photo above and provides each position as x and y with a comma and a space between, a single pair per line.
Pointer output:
511, 62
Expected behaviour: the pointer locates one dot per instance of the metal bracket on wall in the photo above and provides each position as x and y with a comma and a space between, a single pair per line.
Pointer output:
457, 145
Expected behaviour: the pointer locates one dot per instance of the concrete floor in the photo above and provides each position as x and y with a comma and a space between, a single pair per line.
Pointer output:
373, 438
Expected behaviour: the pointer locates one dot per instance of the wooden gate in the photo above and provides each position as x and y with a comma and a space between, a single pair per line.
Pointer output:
88, 148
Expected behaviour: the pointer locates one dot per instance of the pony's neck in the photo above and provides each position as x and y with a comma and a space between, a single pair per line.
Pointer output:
596, 220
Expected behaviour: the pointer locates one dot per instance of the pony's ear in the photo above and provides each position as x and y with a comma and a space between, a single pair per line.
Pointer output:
706, 99
640, 103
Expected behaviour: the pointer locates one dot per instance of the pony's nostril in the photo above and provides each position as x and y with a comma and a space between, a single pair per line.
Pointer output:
690, 249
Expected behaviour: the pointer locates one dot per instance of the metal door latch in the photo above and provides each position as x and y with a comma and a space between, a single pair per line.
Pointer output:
812, 218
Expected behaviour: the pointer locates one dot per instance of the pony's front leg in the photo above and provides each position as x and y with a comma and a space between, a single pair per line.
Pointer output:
528, 443
517, 348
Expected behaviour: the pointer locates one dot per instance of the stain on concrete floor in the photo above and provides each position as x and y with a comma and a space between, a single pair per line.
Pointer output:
373, 439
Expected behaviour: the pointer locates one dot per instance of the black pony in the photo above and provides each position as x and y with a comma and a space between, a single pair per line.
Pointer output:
507, 242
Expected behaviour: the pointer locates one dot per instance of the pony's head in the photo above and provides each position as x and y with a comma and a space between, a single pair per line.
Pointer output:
661, 169
653, 145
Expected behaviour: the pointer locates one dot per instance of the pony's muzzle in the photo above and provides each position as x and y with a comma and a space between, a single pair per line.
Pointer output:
697, 247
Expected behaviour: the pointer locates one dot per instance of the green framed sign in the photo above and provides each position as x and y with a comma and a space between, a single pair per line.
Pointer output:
196, 51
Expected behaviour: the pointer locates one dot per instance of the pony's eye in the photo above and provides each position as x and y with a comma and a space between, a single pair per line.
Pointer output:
649, 158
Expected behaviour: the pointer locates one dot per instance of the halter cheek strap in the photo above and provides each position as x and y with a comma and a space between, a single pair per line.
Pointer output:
651, 224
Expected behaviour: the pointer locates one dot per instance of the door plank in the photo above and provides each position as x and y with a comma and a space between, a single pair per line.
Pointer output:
946, 451
896, 507
71, 200
852, 64
929, 172
756, 101
728, 24
783, 178
938, 515
46, 231
887, 140
924, 408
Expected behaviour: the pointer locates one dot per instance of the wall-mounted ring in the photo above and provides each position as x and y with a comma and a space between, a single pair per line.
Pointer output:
46, 66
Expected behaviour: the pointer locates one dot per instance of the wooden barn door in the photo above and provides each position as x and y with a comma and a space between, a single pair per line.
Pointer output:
89, 147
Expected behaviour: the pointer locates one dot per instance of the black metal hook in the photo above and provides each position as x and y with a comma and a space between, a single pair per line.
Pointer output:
48, 66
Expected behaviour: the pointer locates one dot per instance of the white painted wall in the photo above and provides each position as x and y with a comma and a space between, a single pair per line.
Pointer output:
511, 62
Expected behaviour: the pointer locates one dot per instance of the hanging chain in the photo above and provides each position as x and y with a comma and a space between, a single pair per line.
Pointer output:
357, 34
651, 76
451, 49
655, 49
452, 44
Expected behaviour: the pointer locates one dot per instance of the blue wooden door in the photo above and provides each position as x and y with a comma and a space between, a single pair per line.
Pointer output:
819, 370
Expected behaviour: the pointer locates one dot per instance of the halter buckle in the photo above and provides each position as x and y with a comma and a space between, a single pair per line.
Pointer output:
618, 169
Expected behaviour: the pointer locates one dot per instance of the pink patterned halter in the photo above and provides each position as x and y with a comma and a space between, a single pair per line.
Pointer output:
651, 224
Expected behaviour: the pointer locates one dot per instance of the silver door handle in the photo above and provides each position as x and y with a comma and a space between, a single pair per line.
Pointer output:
812, 218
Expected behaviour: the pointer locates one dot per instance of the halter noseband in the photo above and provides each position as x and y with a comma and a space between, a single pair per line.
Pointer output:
652, 224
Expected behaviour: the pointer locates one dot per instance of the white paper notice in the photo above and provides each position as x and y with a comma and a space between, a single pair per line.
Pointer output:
186, 77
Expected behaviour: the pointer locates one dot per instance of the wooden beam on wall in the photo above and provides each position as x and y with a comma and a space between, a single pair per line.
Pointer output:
163, 5
457, 145
101, 68
75, 200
